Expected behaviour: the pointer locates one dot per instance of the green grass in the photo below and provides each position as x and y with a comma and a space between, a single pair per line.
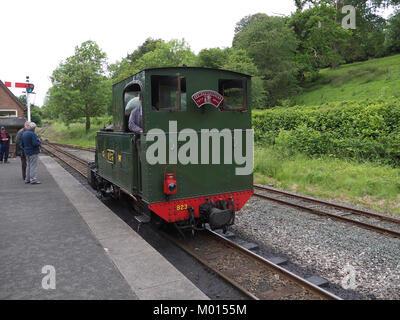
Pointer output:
362, 183
369, 184
75, 133
373, 79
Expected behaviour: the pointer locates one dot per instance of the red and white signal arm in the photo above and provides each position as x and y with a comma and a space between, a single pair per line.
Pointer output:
207, 97
10, 84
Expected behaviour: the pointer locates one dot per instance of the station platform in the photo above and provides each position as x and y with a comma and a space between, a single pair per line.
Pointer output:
58, 241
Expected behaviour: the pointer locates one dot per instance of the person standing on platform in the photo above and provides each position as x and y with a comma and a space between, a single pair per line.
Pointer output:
5, 145
19, 151
30, 144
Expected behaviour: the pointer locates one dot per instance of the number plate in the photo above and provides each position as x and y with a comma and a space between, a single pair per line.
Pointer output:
181, 207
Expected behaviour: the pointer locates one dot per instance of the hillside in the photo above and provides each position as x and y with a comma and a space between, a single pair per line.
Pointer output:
373, 79
340, 139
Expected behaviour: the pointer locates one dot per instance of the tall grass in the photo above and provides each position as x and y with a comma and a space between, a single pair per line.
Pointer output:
74, 133
377, 78
363, 183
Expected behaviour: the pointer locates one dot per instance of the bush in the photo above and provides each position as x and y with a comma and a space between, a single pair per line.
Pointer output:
363, 131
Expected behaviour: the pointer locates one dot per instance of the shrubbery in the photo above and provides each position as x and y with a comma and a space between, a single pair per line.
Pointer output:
367, 130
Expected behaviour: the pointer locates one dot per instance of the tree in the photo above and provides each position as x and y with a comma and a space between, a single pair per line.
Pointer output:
367, 39
238, 60
211, 58
79, 85
393, 34
374, 4
157, 54
122, 67
271, 44
245, 23
148, 45
173, 53
319, 36
36, 112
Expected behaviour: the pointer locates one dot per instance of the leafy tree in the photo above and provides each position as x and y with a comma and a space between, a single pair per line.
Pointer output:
173, 53
239, 61
36, 112
79, 85
147, 46
367, 39
374, 4
121, 67
245, 23
211, 58
361, 43
319, 36
393, 34
165, 54
271, 44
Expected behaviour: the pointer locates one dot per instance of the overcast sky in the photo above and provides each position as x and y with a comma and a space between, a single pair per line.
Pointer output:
38, 34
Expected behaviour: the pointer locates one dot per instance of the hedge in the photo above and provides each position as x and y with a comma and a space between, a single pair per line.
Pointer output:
365, 130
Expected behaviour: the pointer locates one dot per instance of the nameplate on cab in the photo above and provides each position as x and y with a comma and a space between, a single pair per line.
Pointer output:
207, 97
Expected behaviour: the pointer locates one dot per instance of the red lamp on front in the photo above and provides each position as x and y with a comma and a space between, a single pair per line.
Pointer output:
170, 185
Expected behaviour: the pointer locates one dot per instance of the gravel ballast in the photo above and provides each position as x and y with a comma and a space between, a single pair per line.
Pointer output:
353, 258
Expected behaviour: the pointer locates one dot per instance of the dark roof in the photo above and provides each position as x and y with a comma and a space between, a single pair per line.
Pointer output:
2, 85
12, 122
199, 68
185, 68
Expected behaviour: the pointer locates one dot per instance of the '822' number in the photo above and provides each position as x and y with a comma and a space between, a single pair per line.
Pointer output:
181, 207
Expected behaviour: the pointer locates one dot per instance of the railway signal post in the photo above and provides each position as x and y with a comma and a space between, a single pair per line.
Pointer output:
28, 89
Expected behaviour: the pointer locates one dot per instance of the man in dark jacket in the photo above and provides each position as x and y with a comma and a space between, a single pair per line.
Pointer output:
31, 143
5, 145
19, 151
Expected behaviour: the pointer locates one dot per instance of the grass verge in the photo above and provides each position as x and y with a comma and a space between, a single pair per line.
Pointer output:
74, 134
376, 78
361, 183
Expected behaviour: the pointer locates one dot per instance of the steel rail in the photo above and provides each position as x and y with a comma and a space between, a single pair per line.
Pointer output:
329, 204
331, 215
251, 256
54, 150
64, 145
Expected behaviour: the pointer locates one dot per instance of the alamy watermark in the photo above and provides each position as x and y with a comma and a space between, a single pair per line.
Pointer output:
349, 21
49, 280
349, 279
188, 153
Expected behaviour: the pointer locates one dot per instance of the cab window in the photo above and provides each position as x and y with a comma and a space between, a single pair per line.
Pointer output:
131, 94
168, 93
234, 92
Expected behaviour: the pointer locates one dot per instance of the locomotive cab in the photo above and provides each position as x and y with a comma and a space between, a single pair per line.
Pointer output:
193, 163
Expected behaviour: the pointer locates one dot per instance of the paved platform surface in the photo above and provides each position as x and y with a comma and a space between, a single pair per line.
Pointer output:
95, 255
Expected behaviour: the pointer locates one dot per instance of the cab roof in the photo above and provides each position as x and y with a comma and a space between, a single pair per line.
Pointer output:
188, 68
199, 68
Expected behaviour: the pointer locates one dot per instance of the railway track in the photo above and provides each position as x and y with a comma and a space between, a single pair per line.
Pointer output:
63, 145
368, 220
255, 276
76, 163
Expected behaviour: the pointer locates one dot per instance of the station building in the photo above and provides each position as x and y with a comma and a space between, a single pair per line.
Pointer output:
11, 114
